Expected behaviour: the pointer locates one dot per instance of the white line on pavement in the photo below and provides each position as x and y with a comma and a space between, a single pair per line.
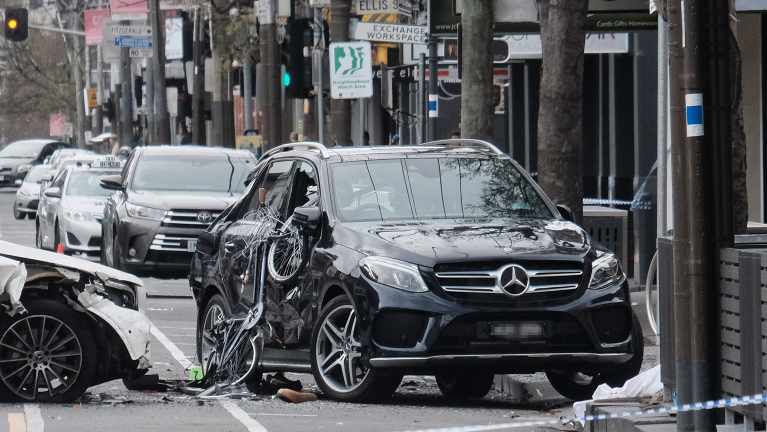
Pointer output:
171, 347
249, 422
283, 415
34, 417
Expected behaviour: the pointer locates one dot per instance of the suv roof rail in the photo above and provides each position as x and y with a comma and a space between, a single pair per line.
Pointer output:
309, 145
465, 142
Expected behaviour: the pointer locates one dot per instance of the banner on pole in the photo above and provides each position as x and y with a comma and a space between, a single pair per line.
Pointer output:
94, 25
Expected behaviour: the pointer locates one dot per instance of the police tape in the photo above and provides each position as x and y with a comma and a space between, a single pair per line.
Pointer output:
565, 420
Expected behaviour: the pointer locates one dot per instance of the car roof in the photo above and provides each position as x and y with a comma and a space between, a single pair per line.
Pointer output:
167, 150
343, 154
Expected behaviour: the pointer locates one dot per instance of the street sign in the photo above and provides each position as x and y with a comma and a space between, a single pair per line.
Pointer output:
140, 52
368, 7
351, 70
180, 4
132, 42
394, 33
92, 98
129, 9
131, 30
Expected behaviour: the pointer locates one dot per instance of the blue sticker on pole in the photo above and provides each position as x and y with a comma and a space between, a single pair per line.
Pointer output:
694, 114
433, 106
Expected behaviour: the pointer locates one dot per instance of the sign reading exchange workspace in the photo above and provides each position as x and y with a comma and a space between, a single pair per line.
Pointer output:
351, 70
394, 33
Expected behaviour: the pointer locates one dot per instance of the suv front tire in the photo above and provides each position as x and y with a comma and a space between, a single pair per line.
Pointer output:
338, 363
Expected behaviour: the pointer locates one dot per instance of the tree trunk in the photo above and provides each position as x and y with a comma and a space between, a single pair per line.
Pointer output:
560, 127
477, 92
737, 131
340, 109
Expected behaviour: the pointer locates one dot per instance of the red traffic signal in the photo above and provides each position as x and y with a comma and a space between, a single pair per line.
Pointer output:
16, 24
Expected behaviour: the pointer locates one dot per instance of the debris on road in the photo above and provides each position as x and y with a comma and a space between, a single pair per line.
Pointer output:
293, 396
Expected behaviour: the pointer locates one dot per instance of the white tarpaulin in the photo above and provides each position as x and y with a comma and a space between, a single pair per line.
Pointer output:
646, 384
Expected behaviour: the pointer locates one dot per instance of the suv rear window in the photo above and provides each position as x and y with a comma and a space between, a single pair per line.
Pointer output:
434, 188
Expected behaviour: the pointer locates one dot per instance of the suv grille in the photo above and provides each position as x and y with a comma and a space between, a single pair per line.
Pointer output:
477, 280
189, 218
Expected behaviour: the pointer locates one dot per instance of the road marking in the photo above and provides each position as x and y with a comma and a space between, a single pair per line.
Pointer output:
34, 416
283, 415
171, 347
16, 422
249, 422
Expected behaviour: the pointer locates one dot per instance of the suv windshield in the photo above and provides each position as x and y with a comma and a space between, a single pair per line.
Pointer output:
185, 173
434, 188
86, 183
23, 149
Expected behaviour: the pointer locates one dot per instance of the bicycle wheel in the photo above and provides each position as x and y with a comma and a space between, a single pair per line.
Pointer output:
287, 253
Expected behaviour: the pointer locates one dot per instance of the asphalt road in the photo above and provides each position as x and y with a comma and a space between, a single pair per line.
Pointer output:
111, 407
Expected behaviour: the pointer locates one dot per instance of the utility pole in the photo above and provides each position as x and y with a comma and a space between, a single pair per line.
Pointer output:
126, 96
270, 59
162, 120
98, 113
77, 45
319, 40
198, 84
340, 109
681, 303
477, 111
433, 99
247, 91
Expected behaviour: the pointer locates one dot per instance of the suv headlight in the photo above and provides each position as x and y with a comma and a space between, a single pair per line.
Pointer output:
393, 273
605, 271
144, 212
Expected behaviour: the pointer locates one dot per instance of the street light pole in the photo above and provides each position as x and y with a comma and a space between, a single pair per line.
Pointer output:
162, 120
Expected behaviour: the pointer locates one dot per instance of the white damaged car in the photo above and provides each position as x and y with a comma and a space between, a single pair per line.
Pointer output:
67, 324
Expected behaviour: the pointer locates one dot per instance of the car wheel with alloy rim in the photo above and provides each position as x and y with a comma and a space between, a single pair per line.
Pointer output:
338, 362
48, 354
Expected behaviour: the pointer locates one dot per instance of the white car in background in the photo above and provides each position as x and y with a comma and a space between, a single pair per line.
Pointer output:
71, 207
28, 194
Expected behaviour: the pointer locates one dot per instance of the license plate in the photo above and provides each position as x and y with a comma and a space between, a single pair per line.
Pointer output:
518, 330
191, 245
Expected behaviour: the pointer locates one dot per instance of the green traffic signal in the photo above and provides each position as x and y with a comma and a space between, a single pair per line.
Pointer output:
286, 79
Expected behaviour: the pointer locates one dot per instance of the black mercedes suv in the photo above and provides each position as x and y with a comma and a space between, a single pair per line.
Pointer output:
443, 259
162, 200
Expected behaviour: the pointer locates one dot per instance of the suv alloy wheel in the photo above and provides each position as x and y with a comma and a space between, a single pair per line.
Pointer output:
337, 358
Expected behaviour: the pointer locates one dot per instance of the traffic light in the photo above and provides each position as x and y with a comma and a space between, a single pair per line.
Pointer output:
16, 24
297, 79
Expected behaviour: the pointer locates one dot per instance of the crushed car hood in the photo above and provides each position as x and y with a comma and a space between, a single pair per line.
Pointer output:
460, 240
12, 250
167, 200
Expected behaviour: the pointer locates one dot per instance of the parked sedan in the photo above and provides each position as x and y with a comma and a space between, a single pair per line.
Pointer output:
70, 212
28, 194
18, 157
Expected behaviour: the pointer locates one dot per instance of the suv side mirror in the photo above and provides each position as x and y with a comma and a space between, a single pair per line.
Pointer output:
206, 243
565, 212
53, 192
112, 182
308, 217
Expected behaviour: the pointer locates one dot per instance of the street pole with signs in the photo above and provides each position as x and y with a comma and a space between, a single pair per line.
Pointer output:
162, 120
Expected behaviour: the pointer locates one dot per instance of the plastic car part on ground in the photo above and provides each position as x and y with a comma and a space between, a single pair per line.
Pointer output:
646, 385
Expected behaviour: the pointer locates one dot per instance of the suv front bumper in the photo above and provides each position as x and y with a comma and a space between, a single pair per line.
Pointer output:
425, 332
150, 248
